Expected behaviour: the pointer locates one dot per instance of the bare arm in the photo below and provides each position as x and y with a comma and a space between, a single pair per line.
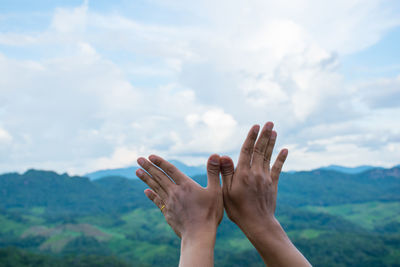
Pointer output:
192, 211
250, 194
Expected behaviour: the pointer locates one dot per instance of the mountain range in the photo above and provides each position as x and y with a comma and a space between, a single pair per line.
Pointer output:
334, 218
129, 172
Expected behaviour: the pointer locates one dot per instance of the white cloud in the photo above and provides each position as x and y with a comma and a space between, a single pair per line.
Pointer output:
104, 88
212, 130
5, 137
70, 20
121, 157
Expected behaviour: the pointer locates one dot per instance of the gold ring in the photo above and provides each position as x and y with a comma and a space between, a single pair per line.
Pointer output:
162, 207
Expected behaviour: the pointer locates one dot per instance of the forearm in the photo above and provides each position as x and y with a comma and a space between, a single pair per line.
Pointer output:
197, 249
274, 246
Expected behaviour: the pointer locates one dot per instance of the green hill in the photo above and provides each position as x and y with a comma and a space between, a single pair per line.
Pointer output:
336, 219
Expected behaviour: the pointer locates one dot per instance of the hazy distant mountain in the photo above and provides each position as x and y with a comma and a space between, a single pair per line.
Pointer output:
191, 171
350, 170
129, 172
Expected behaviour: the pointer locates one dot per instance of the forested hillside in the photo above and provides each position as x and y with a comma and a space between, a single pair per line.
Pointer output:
335, 219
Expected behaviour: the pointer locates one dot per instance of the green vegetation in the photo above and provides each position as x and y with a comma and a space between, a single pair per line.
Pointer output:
335, 219
368, 215
14, 257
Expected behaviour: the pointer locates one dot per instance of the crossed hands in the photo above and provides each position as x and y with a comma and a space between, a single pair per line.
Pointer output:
248, 194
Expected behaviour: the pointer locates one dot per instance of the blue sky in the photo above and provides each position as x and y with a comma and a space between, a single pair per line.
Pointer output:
88, 85
379, 60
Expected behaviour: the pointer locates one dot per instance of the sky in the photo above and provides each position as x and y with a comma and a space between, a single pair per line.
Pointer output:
89, 85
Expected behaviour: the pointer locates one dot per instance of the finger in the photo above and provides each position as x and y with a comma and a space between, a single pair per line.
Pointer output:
246, 151
213, 170
156, 174
145, 177
261, 145
155, 198
173, 172
270, 148
277, 167
227, 171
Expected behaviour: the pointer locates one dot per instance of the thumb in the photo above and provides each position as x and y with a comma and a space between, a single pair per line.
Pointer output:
213, 169
227, 170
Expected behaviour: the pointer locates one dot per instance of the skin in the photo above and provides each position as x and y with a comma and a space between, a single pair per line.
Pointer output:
192, 211
250, 192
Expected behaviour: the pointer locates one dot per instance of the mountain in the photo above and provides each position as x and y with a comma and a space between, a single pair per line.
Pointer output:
74, 194
325, 187
129, 172
335, 219
64, 195
350, 170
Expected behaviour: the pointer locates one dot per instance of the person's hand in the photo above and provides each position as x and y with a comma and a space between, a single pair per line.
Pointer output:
250, 194
187, 207
193, 212
250, 191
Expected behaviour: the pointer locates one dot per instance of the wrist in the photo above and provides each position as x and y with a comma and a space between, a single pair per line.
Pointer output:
197, 247
252, 224
271, 241
205, 233
268, 228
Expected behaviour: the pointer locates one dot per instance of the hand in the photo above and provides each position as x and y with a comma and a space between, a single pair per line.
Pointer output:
189, 208
250, 191
250, 194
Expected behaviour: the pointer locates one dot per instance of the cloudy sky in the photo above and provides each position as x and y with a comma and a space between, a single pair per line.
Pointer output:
89, 85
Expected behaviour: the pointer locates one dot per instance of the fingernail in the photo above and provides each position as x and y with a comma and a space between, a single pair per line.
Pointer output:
214, 159
140, 161
285, 152
225, 162
151, 158
139, 172
270, 125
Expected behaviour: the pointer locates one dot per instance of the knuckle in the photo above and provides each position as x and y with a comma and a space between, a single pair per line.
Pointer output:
213, 171
267, 159
272, 142
157, 161
247, 150
276, 169
258, 150
152, 197
144, 178
275, 177
227, 171
170, 170
213, 168
245, 173
151, 167
146, 165
253, 137
253, 172
256, 173
155, 185
259, 177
